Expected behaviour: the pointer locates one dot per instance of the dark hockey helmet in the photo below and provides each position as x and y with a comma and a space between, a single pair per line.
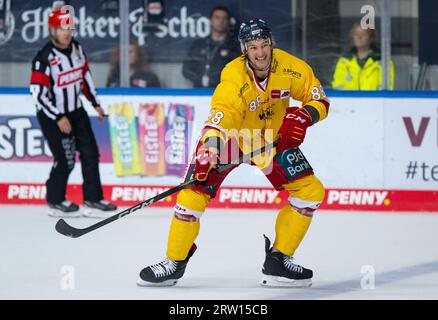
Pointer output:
252, 30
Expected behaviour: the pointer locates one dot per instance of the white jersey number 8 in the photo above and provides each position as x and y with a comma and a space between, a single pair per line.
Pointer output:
317, 93
215, 117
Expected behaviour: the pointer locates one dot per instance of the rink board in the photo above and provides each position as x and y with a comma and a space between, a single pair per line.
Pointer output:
240, 197
375, 151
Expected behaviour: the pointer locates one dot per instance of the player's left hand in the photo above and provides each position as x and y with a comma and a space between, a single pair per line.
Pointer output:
293, 129
206, 160
100, 113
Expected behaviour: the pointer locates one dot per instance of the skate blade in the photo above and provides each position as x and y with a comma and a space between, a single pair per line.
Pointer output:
167, 283
60, 214
95, 213
274, 281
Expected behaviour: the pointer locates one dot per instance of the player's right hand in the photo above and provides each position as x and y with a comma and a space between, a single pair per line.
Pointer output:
293, 129
206, 160
64, 125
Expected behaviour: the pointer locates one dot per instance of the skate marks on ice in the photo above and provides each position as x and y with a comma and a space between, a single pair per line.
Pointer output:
353, 290
406, 263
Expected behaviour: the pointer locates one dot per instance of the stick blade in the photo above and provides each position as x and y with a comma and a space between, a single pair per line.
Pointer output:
67, 230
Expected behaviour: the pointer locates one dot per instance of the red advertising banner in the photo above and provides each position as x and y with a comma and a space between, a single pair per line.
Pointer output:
241, 197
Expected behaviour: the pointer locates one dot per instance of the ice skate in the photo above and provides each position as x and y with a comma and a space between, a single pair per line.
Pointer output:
65, 209
165, 273
98, 209
279, 270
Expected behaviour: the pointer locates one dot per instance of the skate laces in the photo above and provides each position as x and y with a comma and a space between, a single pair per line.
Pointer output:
164, 268
289, 263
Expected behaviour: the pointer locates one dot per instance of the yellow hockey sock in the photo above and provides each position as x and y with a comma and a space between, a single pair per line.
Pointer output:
290, 229
182, 234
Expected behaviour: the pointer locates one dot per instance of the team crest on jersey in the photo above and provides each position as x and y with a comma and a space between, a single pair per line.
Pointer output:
280, 94
55, 61
266, 114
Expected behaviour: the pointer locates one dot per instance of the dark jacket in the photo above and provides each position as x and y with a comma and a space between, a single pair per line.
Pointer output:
207, 58
140, 79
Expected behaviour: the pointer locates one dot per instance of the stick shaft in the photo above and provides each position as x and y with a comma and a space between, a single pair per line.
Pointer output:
67, 230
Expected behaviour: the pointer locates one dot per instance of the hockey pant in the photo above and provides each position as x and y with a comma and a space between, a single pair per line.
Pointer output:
288, 171
63, 147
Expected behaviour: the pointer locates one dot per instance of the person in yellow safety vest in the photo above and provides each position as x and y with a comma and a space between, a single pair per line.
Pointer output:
361, 68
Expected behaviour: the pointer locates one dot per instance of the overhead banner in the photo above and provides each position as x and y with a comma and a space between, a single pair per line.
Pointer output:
98, 25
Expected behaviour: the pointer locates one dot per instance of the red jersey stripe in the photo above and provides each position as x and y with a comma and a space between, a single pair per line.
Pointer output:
38, 77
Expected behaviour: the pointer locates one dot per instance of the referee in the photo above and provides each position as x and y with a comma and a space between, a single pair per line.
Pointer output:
60, 72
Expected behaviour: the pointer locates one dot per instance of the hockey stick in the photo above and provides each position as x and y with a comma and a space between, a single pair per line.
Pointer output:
67, 230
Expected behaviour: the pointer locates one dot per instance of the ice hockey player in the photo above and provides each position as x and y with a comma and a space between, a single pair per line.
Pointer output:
60, 73
250, 106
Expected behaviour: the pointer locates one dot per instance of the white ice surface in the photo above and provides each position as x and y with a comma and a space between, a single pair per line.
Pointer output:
402, 249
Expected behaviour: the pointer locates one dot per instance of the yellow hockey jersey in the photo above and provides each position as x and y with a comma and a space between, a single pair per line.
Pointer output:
241, 107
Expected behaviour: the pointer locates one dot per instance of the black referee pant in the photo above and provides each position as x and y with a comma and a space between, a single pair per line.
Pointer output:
63, 147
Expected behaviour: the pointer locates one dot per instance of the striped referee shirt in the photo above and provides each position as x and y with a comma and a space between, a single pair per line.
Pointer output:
58, 77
